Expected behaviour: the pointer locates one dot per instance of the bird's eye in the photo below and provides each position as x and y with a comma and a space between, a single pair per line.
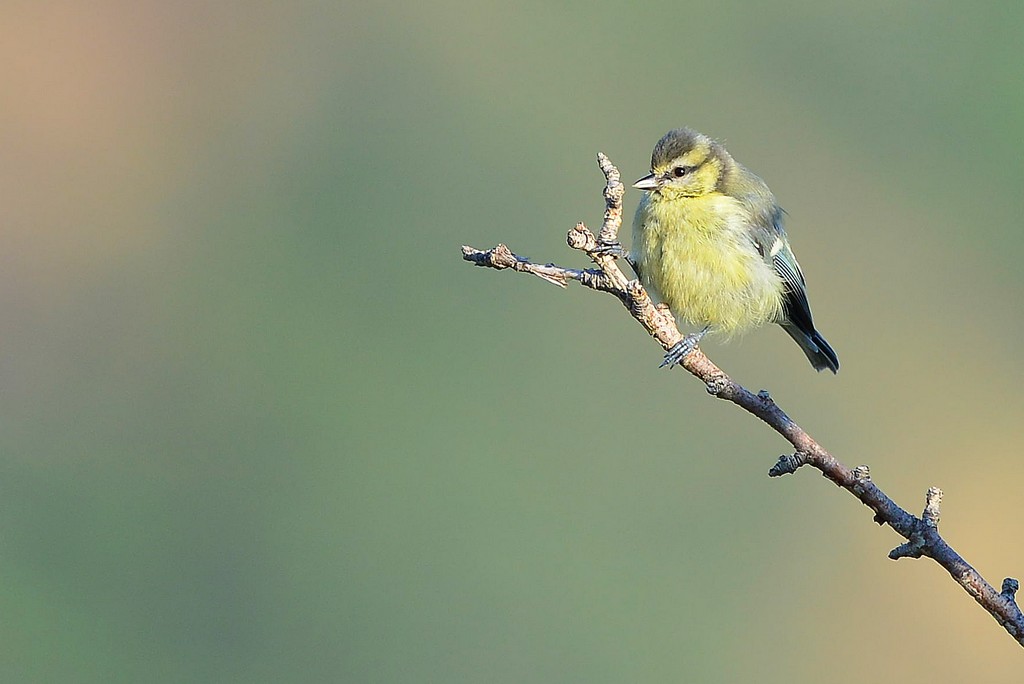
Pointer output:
680, 171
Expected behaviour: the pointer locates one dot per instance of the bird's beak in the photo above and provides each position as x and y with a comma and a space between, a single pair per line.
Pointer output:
648, 182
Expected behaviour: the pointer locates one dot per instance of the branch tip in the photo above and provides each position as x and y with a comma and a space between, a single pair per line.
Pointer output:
614, 190
611, 173
1010, 587
500, 257
933, 499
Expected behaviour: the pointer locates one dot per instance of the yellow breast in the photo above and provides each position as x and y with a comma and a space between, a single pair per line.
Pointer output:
694, 253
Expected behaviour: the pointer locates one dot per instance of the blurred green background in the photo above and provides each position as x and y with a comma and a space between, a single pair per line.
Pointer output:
261, 423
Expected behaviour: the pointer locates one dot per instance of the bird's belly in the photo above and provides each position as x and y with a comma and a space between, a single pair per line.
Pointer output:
717, 280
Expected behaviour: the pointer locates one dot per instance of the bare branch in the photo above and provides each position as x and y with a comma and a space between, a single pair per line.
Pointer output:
921, 533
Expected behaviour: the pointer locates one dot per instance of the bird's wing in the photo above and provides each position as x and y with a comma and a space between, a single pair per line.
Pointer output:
770, 240
798, 311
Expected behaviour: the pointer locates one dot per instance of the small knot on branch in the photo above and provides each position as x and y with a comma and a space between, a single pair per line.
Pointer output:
915, 546
787, 464
640, 304
1010, 587
717, 383
581, 238
614, 191
911, 549
596, 279
861, 482
933, 499
766, 399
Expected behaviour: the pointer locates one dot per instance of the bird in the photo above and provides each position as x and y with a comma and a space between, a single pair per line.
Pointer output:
709, 242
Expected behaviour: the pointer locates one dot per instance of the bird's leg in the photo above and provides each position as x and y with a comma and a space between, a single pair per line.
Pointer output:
616, 250
683, 347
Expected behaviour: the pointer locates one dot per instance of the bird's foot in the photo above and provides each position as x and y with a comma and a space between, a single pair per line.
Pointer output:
614, 249
681, 349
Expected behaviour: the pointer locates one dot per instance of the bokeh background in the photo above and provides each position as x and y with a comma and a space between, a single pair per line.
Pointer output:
259, 422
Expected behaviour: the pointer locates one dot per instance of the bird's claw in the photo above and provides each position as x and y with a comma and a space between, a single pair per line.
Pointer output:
681, 349
617, 251
614, 249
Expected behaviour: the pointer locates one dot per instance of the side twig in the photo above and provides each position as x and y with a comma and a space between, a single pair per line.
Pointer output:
921, 533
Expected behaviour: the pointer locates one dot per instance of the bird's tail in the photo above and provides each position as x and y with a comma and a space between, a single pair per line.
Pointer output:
818, 351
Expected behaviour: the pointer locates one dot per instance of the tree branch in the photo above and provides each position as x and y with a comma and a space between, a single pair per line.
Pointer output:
921, 533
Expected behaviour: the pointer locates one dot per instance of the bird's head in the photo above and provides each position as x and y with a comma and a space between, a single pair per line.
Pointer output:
686, 163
